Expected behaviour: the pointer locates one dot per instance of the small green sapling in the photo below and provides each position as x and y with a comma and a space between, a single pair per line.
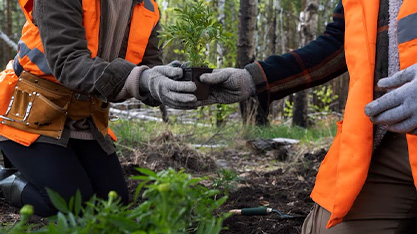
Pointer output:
196, 27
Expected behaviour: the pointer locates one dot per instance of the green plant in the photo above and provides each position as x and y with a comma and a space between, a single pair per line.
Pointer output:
226, 180
288, 109
175, 202
222, 112
97, 216
326, 97
195, 27
22, 226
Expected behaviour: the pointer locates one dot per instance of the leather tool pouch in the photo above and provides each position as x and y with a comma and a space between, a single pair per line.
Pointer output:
38, 106
42, 107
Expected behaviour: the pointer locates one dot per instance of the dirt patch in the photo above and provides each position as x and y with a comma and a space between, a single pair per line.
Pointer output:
167, 151
264, 181
286, 190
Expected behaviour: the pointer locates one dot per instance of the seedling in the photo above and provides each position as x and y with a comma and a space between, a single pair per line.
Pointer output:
226, 180
196, 27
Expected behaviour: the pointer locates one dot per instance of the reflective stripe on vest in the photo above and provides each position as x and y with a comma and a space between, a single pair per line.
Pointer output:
407, 33
406, 30
344, 170
35, 56
30, 56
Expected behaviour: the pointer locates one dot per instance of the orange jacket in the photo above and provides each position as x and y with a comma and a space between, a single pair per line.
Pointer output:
344, 169
31, 57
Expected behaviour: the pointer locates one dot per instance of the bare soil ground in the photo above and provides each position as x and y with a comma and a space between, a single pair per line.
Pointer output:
277, 178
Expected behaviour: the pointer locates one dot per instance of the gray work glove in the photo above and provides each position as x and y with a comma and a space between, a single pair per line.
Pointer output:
228, 85
160, 82
397, 109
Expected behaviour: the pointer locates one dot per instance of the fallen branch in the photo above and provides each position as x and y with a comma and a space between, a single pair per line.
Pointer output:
8, 41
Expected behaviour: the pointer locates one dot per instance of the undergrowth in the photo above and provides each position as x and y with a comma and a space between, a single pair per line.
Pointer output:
172, 203
132, 134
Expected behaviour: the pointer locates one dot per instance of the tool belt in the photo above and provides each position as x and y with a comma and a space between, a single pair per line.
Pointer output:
42, 107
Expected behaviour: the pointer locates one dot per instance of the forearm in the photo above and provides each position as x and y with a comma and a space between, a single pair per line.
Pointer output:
292, 72
316, 63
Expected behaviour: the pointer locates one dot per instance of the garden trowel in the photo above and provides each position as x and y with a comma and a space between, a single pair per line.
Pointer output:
263, 211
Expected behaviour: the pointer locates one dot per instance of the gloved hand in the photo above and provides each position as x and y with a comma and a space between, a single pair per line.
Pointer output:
160, 82
228, 85
397, 109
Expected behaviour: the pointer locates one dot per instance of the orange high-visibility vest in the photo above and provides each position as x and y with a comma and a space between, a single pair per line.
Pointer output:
31, 57
345, 167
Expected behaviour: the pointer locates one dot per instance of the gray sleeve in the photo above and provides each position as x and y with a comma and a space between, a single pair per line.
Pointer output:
63, 37
153, 55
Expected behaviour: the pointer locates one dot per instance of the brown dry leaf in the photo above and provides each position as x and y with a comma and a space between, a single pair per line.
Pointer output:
264, 203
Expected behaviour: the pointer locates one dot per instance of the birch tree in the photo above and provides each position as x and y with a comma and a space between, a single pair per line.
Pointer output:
308, 31
220, 47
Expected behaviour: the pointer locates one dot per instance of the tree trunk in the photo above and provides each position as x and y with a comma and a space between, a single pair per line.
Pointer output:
8, 51
220, 47
268, 47
308, 32
247, 29
220, 115
276, 107
251, 110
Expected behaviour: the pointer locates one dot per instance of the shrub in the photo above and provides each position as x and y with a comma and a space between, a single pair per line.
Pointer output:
177, 203
174, 203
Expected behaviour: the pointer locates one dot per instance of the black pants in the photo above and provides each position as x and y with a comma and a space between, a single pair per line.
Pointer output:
82, 165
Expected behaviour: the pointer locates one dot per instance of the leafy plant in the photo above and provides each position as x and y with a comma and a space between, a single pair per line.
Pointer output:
98, 216
174, 203
222, 112
326, 97
226, 180
195, 27
288, 109
22, 226
177, 203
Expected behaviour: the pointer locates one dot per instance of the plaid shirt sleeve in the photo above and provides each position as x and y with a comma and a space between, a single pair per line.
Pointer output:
316, 63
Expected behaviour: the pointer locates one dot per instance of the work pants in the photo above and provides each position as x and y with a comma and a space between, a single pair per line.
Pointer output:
387, 203
83, 165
